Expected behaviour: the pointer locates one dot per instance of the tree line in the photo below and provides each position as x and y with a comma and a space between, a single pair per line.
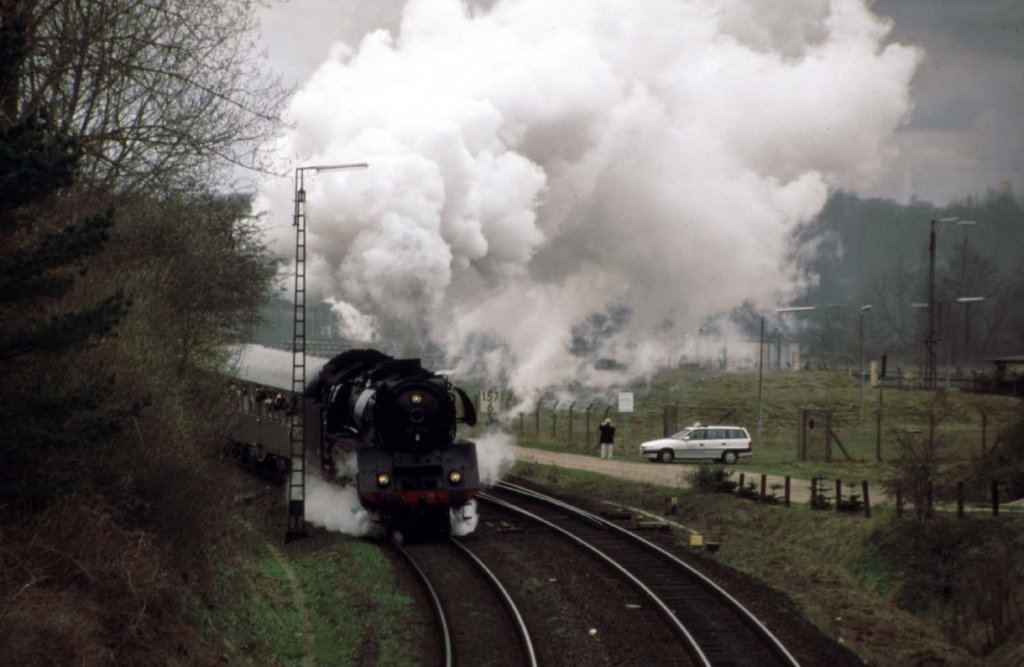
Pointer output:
125, 268
875, 252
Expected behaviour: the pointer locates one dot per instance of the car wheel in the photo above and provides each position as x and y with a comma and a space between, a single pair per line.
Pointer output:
729, 457
666, 456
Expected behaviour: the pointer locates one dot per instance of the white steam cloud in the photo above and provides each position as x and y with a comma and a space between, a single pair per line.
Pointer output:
494, 455
336, 507
535, 163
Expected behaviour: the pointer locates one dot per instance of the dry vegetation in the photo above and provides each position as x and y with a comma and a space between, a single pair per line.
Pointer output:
121, 279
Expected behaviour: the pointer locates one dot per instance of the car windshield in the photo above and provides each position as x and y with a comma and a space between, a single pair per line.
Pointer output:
681, 434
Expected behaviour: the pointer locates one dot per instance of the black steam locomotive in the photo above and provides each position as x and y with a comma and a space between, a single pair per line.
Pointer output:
386, 425
400, 421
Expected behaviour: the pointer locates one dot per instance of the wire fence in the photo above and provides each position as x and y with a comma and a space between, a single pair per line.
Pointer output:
824, 434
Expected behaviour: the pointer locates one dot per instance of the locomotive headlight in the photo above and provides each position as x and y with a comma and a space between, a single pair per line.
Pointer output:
455, 477
416, 399
383, 480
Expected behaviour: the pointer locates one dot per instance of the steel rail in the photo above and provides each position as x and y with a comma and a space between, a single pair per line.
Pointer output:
446, 636
745, 613
521, 628
692, 645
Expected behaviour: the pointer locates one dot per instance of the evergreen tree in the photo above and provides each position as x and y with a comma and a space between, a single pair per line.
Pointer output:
37, 271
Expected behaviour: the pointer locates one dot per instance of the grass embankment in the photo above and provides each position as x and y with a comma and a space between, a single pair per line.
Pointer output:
342, 596
727, 397
830, 565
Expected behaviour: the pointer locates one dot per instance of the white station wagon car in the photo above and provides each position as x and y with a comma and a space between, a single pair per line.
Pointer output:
712, 443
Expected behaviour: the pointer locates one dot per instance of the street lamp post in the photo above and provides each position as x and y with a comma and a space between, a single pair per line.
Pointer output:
967, 301
296, 424
932, 342
760, 383
760, 368
860, 363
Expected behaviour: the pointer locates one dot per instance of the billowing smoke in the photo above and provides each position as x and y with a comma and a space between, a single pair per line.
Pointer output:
535, 164
336, 507
495, 455
465, 519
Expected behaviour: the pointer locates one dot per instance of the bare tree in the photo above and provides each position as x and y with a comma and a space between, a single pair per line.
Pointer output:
891, 294
915, 470
157, 92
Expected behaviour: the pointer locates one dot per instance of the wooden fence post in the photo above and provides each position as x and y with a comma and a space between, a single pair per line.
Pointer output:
814, 491
787, 490
839, 493
867, 499
878, 428
801, 437
764, 485
828, 437
995, 497
984, 432
742, 481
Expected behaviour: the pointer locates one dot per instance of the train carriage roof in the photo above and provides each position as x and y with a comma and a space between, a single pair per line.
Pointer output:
269, 366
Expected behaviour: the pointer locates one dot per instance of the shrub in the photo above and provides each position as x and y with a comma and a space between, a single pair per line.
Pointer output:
710, 478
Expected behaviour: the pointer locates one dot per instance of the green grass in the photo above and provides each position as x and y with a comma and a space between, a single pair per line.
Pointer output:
360, 614
708, 395
251, 610
357, 609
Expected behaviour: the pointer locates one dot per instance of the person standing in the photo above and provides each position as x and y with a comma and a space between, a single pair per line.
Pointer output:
607, 439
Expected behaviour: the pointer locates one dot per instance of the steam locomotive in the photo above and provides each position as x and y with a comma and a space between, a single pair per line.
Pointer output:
386, 425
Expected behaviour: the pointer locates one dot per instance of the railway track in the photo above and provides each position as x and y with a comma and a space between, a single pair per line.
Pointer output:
477, 621
716, 629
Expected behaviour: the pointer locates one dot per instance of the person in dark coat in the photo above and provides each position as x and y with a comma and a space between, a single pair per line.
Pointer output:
607, 439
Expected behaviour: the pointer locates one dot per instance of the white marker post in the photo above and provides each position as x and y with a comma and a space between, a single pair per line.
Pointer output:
490, 404
625, 407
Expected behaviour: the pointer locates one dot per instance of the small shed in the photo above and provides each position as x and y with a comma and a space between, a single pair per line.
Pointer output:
1007, 376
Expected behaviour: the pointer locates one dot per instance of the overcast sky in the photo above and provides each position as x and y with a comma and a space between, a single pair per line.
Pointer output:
536, 166
965, 133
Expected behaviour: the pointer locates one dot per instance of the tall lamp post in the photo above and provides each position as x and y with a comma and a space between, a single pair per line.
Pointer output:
860, 363
760, 383
760, 367
296, 424
967, 301
932, 342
